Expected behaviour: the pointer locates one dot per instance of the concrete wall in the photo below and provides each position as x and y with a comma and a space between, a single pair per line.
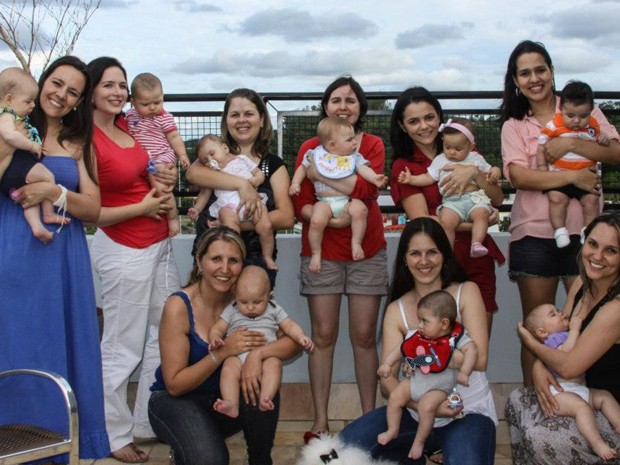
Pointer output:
504, 364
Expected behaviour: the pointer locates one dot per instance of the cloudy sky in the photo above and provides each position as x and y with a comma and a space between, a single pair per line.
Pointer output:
272, 45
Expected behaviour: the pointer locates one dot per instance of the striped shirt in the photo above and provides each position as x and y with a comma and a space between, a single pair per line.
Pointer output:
151, 133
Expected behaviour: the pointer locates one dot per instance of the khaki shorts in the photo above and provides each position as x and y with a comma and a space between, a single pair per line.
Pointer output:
365, 277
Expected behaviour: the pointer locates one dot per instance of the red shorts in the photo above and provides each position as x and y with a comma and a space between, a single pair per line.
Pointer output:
480, 270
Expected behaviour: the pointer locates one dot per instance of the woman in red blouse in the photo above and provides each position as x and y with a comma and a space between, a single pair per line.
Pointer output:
364, 282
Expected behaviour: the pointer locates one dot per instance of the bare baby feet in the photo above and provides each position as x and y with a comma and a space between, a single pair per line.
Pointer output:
604, 451
226, 407
416, 450
315, 263
265, 404
174, 227
41, 233
54, 218
271, 264
357, 252
386, 437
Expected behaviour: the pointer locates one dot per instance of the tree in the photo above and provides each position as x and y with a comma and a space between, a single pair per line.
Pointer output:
45, 29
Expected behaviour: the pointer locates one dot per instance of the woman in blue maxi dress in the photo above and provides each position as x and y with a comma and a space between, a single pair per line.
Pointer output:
48, 317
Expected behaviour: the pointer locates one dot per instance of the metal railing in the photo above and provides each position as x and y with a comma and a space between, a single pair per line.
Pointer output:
294, 127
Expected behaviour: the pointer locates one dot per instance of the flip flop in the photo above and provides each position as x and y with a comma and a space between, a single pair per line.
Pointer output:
431, 455
141, 456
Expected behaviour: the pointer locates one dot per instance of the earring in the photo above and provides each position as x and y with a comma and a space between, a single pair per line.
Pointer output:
74, 108
517, 91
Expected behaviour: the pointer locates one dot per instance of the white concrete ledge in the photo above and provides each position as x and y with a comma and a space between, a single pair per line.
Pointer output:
504, 353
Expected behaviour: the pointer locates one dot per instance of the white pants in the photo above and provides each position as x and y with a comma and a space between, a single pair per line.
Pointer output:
135, 284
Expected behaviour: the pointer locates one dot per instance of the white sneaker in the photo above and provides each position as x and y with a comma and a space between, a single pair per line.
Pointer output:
562, 239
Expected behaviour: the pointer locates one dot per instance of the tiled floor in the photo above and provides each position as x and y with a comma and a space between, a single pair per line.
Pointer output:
286, 451
295, 418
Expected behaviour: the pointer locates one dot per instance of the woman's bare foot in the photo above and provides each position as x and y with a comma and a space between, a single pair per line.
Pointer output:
604, 451
416, 450
130, 454
226, 407
315, 263
265, 404
387, 436
357, 252
271, 264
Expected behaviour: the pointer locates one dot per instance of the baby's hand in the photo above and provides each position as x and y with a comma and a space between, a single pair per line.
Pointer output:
602, 139
575, 323
380, 180
193, 213
404, 176
385, 371
184, 161
294, 189
494, 175
462, 379
307, 343
37, 149
216, 344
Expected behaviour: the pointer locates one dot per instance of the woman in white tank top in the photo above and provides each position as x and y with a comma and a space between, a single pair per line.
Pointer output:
425, 263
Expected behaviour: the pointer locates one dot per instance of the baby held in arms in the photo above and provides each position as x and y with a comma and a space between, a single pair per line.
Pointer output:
551, 327
336, 158
255, 310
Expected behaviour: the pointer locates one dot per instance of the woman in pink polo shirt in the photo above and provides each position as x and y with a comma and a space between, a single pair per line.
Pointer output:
529, 102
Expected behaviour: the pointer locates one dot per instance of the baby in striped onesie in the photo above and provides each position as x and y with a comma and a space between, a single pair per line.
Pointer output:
157, 132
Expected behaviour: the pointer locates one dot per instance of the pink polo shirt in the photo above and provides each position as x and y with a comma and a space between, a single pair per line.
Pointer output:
530, 211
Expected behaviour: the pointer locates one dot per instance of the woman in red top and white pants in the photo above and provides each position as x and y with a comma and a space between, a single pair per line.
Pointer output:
364, 282
133, 257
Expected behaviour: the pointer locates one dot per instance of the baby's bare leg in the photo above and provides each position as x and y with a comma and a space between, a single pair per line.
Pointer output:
229, 387
558, 205
263, 228
590, 207
321, 213
33, 218
39, 173
359, 213
229, 217
270, 383
572, 405
606, 403
174, 225
397, 401
480, 224
450, 220
427, 406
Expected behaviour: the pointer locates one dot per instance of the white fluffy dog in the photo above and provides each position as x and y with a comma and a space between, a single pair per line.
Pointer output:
330, 450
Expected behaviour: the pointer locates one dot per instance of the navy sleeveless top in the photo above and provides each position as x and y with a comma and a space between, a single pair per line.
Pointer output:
605, 372
198, 349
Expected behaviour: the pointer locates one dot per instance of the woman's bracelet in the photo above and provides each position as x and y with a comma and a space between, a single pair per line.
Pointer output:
214, 358
61, 203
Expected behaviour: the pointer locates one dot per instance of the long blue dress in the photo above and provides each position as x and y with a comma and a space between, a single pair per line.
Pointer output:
48, 320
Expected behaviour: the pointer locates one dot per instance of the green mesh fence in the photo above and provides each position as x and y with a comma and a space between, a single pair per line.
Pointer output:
294, 127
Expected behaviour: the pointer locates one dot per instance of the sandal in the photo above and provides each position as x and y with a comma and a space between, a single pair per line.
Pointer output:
310, 435
130, 454
434, 457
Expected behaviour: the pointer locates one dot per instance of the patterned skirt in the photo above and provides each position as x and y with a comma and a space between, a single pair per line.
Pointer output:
536, 440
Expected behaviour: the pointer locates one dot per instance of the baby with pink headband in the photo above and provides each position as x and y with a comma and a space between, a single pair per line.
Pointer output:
473, 205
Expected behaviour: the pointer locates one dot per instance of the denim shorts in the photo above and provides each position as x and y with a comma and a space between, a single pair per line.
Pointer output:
365, 277
534, 257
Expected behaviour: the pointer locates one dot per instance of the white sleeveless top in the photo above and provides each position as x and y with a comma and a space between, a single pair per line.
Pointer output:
477, 397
